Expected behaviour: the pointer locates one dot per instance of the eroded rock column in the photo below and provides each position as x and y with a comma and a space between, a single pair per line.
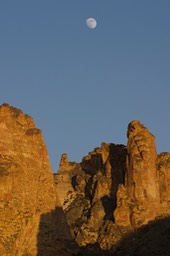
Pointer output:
141, 185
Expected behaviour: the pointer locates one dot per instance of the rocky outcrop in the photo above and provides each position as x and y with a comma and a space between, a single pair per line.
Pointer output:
88, 208
141, 187
115, 189
89, 192
163, 167
29, 206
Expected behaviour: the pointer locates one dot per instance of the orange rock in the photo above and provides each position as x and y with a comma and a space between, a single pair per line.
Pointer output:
28, 202
142, 188
163, 167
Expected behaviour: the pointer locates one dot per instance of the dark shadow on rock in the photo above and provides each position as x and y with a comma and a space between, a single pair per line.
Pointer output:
54, 237
109, 207
94, 250
117, 158
152, 239
89, 192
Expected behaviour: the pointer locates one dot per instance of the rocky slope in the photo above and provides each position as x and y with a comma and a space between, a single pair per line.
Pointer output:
115, 202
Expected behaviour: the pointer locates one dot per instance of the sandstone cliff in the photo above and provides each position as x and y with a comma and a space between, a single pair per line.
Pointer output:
115, 189
29, 207
117, 196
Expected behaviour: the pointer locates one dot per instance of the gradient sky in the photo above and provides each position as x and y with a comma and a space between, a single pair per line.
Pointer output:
84, 86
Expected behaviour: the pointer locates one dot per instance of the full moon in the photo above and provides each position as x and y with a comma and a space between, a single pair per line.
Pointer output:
91, 23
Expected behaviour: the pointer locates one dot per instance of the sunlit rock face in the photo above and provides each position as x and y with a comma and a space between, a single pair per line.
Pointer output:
163, 167
140, 197
114, 189
28, 202
87, 191
85, 208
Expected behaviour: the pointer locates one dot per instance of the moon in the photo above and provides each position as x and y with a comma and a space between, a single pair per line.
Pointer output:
91, 23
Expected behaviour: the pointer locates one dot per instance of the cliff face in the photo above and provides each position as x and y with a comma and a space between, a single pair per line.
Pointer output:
28, 201
85, 208
115, 189
89, 190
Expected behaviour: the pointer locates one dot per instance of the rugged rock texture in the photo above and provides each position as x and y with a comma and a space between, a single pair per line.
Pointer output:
111, 200
148, 240
29, 208
163, 167
141, 187
89, 194
114, 190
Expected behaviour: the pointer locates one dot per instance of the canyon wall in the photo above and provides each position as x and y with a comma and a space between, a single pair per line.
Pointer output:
115, 189
85, 208
29, 208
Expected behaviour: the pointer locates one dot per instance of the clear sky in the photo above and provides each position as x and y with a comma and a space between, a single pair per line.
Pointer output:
83, 86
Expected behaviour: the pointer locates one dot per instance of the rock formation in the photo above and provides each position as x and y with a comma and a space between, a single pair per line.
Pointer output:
141, 187
29, 206
89, 193
115, 189
95, 207
163, 167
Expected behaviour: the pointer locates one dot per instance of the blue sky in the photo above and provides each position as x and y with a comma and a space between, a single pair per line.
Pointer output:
84, 86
